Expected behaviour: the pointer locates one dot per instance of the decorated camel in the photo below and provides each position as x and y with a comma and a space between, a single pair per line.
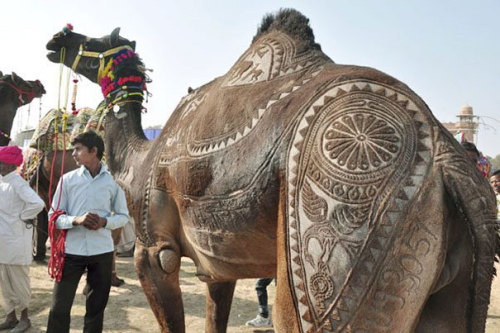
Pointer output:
14, 92
337, 179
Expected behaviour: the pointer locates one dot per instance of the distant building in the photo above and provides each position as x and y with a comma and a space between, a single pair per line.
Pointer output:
466, 126
22, 139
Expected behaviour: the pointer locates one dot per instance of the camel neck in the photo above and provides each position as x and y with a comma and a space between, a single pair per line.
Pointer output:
124, 136
7, 113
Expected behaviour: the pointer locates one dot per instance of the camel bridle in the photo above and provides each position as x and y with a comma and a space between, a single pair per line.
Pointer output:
20, 92
100, 55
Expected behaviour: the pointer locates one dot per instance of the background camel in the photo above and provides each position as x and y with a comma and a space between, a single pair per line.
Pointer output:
337, 179
14, 92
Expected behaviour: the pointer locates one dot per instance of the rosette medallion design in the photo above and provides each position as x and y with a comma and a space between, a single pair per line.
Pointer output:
358, 142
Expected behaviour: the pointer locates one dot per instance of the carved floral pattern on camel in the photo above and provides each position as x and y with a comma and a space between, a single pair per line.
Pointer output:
366, 148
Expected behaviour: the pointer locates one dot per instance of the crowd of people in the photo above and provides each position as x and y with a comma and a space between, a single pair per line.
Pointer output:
83, 222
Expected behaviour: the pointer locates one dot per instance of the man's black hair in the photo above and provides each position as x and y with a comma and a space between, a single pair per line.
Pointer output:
496, 173
90, 140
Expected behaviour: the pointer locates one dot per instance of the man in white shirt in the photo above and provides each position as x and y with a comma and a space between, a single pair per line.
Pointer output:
93, 205
18, 204
495, 183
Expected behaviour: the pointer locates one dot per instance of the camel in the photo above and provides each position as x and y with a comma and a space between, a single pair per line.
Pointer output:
336, 179
14, 92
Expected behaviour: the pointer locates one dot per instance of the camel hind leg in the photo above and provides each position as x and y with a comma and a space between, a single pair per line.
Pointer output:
474, 197
284, 310
446, 310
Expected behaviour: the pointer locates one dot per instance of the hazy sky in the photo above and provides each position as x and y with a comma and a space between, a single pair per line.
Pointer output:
448, 52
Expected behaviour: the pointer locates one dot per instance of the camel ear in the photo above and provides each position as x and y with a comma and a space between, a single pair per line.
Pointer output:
14, 77
1, 74
115, 35
132, 44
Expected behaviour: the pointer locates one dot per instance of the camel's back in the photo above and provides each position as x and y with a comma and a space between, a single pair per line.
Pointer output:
223, 148
234, 124
225, 134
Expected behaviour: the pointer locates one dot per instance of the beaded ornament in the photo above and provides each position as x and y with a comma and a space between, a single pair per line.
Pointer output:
124, 88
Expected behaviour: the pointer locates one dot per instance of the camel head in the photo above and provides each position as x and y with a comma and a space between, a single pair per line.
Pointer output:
85, 55
25, 91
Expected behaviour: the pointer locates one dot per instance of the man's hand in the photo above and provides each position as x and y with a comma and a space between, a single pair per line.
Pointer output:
90, 221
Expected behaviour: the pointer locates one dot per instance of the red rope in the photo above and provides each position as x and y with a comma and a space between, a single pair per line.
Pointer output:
57, 237
57, 247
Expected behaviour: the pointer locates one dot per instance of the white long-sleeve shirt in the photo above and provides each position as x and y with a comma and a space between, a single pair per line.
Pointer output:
18, 202
80, 194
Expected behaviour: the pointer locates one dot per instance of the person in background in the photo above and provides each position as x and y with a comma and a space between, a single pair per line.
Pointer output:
495, 183
263, 318
477, 158
91, 205
18, 205
471, 150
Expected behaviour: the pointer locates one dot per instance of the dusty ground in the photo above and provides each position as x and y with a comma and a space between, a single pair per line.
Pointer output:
128, 310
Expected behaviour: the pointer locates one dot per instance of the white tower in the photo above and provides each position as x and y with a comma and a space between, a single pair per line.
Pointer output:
467, 123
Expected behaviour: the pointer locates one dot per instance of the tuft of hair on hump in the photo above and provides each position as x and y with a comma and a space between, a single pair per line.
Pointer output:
291, 22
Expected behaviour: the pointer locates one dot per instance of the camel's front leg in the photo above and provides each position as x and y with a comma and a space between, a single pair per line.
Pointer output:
219, 298
158, 269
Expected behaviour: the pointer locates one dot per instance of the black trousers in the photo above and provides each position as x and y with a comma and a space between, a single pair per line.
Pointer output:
42, 233
99, 279
261, 288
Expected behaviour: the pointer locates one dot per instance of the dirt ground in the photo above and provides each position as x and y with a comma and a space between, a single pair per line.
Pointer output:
128, 310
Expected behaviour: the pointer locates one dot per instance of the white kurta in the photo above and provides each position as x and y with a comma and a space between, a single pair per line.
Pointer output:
18, 202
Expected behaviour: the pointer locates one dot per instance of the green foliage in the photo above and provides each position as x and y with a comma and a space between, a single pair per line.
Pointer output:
496, 162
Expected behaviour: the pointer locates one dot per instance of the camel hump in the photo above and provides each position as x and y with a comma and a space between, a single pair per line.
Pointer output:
291, 22
359, 155
284, 45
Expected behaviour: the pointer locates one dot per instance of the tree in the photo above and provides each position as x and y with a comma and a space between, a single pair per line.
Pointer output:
496, 162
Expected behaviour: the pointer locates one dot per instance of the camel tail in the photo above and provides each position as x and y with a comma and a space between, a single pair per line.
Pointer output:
474, 197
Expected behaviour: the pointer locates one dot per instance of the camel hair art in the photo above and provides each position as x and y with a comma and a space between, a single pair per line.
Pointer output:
336, 179
14, 92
